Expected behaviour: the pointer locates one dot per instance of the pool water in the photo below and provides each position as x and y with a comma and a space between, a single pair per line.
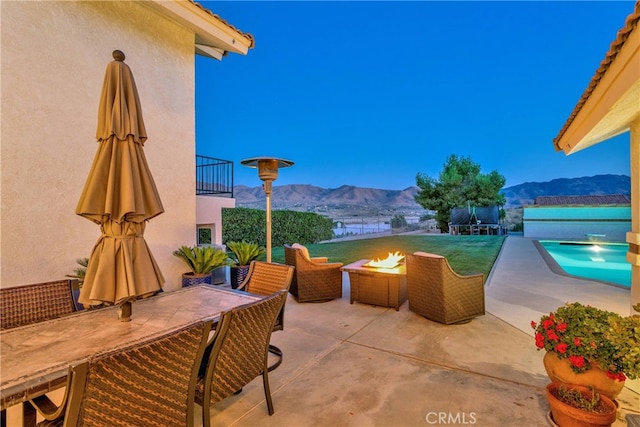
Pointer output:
597, 261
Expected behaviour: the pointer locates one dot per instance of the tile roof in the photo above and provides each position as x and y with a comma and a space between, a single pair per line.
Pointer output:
591, 200
245, 35
623, 34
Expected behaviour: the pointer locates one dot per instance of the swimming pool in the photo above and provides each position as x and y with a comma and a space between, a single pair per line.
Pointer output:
597, 261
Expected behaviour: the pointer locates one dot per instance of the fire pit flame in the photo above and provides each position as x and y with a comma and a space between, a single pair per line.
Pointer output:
391, 261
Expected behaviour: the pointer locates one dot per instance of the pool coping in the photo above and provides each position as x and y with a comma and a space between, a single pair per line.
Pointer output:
557, 269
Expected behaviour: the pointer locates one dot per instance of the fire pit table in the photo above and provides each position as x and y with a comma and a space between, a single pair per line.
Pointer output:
385, 287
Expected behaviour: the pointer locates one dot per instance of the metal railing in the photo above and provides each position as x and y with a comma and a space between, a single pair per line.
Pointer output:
214, 176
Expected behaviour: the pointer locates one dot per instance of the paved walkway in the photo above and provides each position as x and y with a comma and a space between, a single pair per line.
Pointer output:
360, 365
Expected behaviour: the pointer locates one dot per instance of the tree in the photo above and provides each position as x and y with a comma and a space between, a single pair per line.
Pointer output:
460, 183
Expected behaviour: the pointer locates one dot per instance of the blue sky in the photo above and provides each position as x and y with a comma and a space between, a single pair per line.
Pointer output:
372, 93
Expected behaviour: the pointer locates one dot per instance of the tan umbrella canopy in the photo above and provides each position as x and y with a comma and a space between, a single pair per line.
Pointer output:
120, 195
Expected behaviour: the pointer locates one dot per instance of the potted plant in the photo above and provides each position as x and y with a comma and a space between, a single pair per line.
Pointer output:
577, 406
203, 261
589, 346
78, 274
243, 253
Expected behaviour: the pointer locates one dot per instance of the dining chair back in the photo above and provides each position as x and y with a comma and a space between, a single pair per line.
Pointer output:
23, 305
152, 383
266, 278
238, 352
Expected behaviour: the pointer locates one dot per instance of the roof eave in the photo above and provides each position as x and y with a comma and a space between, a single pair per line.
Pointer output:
213, 36
610, 102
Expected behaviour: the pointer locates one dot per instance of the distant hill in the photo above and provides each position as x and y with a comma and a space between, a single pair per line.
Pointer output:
343, 200
525, 194
348, 199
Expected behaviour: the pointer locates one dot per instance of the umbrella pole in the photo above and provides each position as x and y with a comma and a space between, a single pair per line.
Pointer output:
124, 311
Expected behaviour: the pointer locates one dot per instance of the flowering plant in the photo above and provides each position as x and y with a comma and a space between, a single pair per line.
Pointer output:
589, 336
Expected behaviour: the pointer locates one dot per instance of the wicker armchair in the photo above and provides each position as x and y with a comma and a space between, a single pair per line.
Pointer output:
266, 278
238, 353
23, 305
143, 385
438, 293
314, 279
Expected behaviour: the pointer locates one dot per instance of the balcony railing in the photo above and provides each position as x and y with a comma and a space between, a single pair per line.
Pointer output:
214, 176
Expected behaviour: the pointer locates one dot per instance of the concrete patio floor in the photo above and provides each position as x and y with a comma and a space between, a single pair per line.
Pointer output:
360, 365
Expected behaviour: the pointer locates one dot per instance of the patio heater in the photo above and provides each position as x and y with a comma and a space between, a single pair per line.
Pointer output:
267, 172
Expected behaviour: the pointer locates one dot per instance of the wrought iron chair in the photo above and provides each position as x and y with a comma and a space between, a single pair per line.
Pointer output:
314, 278
438, 293
266, 278
148, 384
238, 353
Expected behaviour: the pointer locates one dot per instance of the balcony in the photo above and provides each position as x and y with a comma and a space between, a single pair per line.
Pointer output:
214, 177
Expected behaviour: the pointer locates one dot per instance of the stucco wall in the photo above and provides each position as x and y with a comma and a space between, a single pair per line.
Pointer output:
209, 211
54, 56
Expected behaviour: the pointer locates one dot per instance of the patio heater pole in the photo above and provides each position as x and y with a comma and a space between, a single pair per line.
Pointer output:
267, 172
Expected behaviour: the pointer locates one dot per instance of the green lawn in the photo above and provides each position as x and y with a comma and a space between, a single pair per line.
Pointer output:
466, 254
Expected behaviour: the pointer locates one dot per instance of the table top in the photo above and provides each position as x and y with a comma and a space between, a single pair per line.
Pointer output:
35, 358
358, 267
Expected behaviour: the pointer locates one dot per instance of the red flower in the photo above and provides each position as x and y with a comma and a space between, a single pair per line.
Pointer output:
552, 335
533, 324
562, 348
539, 340
561, 327
577, 361
618, 376
577, 342
548, 323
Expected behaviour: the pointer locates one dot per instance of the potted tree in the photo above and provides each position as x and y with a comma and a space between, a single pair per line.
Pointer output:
203, 262
243, 253
589, 346
577, 406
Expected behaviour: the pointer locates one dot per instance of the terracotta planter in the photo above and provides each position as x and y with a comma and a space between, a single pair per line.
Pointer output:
559, 371
566, 415
237, 275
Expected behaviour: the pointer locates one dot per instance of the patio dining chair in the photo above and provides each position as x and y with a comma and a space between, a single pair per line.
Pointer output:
238, 353
265, 278
23, 305
28, 304
438, 293
148, 384
314, 279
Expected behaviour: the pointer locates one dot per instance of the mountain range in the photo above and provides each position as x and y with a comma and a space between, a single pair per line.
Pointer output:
364, 201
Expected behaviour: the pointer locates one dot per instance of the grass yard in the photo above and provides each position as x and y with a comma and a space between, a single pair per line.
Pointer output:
466, 254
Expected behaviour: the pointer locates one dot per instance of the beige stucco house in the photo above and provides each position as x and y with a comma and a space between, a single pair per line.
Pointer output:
54, 55
610, 106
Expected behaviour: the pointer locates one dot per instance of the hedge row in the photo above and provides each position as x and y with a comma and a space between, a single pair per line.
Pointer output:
286, 226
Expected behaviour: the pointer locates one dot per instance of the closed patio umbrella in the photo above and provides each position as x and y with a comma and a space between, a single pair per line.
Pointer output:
121, 196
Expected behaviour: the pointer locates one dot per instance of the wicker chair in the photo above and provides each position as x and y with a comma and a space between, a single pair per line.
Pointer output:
438, 293
148, 384
314, 279
23, 305
266, 278
238, 353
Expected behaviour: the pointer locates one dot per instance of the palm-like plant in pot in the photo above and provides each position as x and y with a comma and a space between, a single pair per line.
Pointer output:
202, 261
243, 253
